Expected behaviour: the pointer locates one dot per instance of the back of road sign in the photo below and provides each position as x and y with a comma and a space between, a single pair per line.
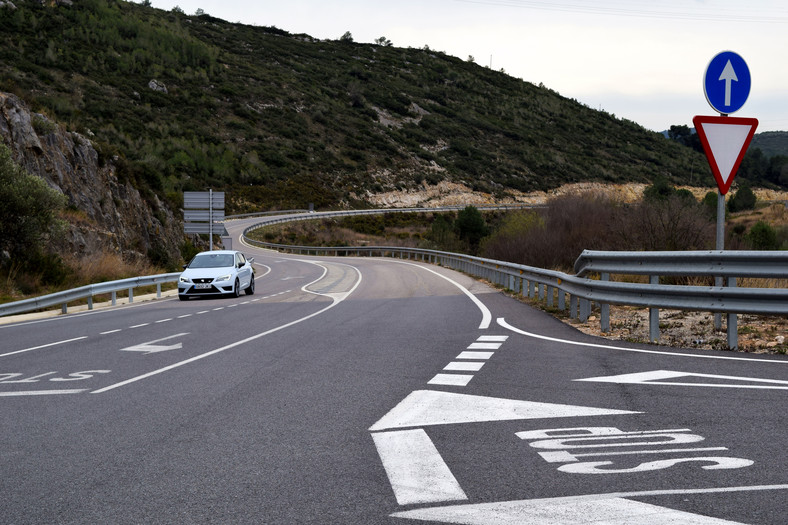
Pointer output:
725, 141
727, 82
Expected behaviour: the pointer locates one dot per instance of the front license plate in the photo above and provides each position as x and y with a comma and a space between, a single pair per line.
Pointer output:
202, 286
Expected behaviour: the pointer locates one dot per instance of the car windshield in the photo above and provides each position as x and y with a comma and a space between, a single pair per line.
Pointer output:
212, 260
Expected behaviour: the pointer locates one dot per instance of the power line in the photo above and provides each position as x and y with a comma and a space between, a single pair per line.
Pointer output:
719, 14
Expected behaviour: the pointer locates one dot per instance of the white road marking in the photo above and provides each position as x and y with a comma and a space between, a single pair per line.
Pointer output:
152, 348
44, 346
486, 314
484, 346
203, 312
429, 407
111, 332
574, 510
502, 322
42, 392
464, 366
164, 320
475, 355
493, 338
335, 301
139, 325
653, 378
217, 309
450, 379
184, 316
415, 468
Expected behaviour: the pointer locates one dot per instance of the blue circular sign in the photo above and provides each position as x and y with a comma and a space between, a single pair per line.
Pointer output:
727, 82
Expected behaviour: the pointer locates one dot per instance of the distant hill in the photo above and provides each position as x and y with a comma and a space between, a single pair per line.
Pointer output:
185, 102
771, 143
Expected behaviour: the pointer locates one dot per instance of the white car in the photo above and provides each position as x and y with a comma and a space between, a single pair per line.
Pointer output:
216, 273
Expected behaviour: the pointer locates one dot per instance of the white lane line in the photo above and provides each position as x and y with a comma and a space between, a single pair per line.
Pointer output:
139, 325
111, 331
484, 346
450, 379
504, 324
493, 338
486, 314
335, 301
232, 306
415, 468
42, 392
217, 309
203, 312
44, 346
184, 316
475, 355
164, 320
466, 366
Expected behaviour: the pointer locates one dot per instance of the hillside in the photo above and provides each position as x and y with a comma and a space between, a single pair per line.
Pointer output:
279, 120
771, 143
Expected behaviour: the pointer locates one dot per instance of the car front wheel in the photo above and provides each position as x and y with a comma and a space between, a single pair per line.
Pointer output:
250, 288
237, 289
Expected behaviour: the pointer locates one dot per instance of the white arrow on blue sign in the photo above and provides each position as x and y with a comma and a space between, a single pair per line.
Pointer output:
727, 82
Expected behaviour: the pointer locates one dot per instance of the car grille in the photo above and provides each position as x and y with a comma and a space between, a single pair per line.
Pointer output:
203, 280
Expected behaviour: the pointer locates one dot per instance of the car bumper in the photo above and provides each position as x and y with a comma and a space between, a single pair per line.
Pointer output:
214, 290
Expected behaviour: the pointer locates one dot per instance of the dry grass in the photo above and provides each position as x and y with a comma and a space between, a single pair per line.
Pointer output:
107, 267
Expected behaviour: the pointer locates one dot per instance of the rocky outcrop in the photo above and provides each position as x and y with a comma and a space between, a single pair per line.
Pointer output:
105, 214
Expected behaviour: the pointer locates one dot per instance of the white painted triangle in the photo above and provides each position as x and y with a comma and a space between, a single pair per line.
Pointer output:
658, 377
429, 407
566, 511
726, 142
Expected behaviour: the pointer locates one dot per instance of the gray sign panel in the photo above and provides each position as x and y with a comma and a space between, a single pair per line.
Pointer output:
202, 215
204, 227
200, 200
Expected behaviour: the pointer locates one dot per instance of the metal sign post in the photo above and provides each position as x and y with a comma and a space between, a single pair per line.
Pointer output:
726, 85
201, 209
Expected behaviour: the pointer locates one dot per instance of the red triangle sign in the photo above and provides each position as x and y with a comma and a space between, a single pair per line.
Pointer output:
725, 141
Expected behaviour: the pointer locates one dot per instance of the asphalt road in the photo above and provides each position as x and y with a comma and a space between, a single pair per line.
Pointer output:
359, 390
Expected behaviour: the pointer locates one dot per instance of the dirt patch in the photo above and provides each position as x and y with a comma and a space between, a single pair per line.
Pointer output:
682, 329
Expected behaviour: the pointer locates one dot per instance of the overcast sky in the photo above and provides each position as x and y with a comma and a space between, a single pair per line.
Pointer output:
643, 60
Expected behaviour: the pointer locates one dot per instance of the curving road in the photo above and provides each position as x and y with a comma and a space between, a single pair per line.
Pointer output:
359, 390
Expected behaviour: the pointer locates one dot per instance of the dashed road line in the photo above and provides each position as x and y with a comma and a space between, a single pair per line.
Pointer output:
473, 361
111, 331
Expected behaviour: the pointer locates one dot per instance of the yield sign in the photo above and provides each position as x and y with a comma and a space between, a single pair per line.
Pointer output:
725, 141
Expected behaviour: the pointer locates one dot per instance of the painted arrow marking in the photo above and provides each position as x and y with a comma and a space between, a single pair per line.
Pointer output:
151, 347
729, 76
658, 377
597, 508
415, 468
429, 407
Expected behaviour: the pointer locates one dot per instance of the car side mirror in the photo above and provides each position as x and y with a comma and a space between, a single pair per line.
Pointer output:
185, 266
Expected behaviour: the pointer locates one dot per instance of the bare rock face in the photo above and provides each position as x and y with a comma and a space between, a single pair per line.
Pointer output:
105, 214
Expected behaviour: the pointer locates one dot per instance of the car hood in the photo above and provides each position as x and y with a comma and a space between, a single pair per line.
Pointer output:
204, 273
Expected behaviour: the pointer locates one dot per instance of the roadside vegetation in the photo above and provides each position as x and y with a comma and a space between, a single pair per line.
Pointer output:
555, 235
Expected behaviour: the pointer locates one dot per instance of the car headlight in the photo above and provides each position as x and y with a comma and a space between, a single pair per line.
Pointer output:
222, 278
184, 279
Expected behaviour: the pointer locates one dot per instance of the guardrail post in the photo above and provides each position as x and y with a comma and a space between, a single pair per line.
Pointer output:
561, 300
550, 292
719, 282
531, 289
585, 310
64, 308
604, 310
114, 298
653, 315
131, 295
573, 306
158, 290
542, 287
733, 322
90, 302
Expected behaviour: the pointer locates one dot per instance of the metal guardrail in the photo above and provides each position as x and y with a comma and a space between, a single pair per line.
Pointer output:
554, 286
88, 292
